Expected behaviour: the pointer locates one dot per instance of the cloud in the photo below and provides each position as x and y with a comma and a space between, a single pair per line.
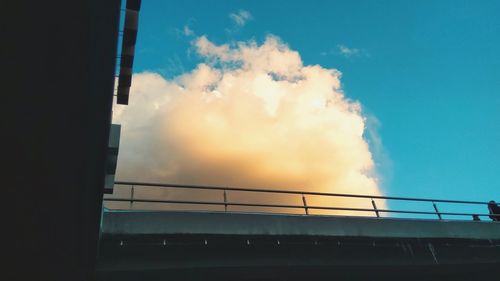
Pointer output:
347, 52
384, 163
250, 115
240, 18
351, 52
187, 31
210, 51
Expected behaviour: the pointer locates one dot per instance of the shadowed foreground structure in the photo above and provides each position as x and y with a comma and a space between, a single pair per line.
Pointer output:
60, 60
152, 245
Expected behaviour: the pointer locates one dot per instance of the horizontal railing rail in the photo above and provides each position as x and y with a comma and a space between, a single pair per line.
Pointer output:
225, 203
186, 186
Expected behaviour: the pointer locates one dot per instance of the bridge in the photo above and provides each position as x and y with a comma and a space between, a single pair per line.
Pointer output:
153, 231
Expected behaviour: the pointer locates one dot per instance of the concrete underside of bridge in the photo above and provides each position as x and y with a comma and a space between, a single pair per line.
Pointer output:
228, 246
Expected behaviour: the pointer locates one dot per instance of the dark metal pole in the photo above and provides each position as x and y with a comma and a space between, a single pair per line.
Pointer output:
375, 208
225, 201
305, 204
437, 211
131, 196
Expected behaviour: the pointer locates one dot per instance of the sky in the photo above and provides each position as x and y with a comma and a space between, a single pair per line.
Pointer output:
425, 73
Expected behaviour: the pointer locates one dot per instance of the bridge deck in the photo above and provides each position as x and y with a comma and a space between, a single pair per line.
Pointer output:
149, 245
220, 223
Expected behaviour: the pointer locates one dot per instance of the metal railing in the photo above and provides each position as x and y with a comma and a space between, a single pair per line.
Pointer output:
224, 202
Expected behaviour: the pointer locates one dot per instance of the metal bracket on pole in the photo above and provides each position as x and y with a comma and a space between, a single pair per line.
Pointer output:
375, 208
305, 204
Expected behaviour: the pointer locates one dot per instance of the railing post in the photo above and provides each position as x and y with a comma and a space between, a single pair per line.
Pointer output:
437, 211
305, 204
131, 197
225, 201
375, 208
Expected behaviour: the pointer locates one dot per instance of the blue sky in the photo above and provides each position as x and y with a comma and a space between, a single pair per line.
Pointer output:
429, 71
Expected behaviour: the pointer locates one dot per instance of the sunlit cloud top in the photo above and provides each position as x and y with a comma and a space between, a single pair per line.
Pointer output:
250, 115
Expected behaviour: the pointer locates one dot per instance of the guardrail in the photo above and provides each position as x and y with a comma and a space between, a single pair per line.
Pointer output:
304, 206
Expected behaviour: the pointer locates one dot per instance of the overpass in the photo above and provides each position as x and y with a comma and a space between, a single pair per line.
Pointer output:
196, 244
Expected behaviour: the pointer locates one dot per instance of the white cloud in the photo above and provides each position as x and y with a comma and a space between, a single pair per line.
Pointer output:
347, 51
240, 18
351, 52
211, 51
258, 117
187, 30
384, 163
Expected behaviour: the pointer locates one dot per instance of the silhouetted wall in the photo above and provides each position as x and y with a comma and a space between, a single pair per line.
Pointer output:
58, 73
